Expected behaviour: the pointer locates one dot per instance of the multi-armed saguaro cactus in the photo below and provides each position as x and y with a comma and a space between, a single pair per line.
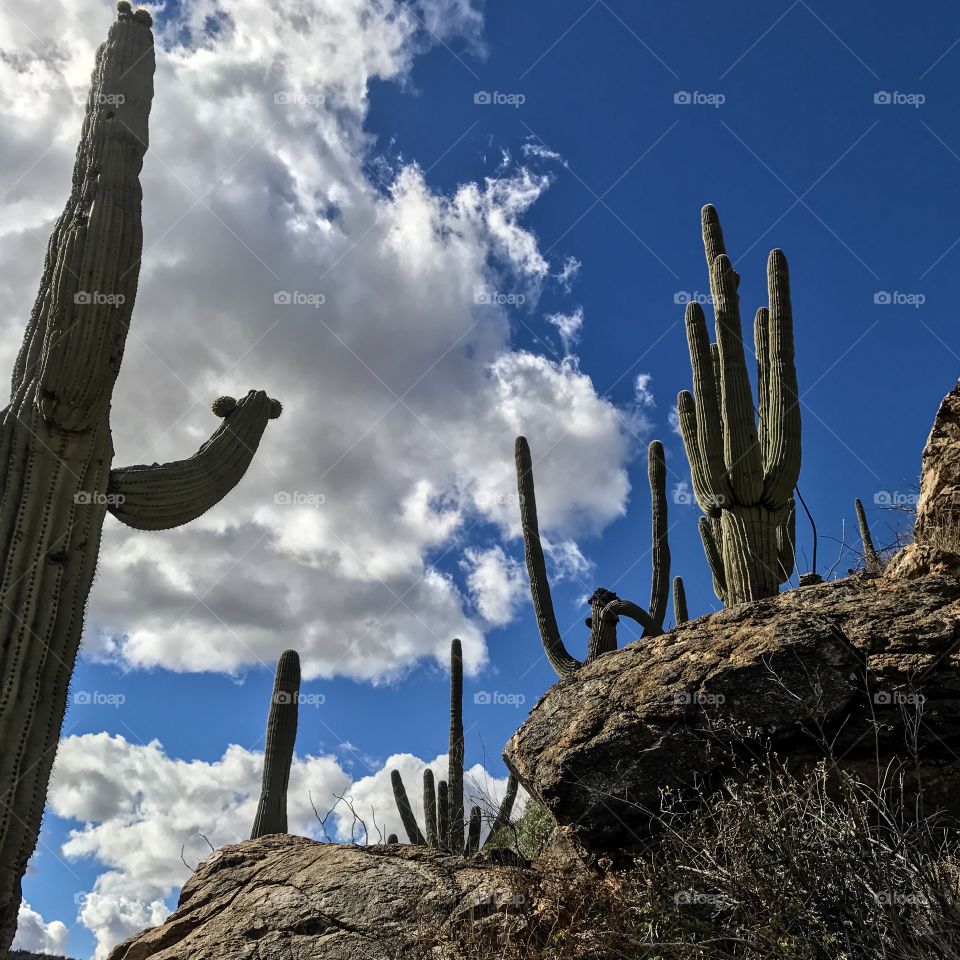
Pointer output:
606, 607
55, 446
743, 474
443, 806
278, 752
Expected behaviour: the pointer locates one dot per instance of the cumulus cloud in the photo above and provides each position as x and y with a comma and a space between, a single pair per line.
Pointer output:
569, 326
496, 582
36, 936
401, 395
140, 807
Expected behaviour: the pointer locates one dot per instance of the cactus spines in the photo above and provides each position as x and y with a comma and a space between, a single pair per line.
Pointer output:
55, 442
473, 832
870, 557
406, 811
679, 602
429, 808
605, 606
278, 751
743, 472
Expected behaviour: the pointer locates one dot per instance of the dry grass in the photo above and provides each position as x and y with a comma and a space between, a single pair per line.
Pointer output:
824, 868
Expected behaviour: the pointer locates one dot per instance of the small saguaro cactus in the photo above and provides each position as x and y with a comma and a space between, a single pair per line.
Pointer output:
871, 561
744, 466
55, 442
679, 601
606, 607
278, 752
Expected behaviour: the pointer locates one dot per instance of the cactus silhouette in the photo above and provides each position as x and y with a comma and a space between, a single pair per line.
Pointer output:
443, 810
278, 752
606, 607
55, 443
744, 467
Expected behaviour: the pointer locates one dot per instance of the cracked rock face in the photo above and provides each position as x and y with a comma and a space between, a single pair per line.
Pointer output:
289, 898
849, 660
936, 546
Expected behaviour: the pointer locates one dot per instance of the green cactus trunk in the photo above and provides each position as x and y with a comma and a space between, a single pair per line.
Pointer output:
56, 448
430, 808
278, 753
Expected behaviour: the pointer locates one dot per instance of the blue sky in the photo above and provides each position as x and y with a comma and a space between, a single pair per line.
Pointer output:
788, 140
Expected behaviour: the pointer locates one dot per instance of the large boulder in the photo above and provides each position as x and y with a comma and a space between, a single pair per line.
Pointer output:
850, 663
289, 898
936, 540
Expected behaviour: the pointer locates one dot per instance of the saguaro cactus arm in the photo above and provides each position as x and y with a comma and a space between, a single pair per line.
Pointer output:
660, 582
553, 645
167, 495
429, 808
781, 458
278, 754
405, 810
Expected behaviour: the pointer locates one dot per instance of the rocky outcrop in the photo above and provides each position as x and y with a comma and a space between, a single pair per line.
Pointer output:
848, 662
289, 898
936, 540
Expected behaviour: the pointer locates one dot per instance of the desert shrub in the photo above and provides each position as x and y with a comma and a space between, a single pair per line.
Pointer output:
817, 867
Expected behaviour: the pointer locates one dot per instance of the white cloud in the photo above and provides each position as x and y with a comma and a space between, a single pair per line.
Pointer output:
35, 935
140, 807
642, 394
569, 326
568, 273
497, 583
401, 396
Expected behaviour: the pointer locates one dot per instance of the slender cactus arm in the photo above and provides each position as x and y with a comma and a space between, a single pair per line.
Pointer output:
407, 815
557, 654
506, 806
660, 548
626, 608
870, 557
167, 495
710, 535
782, 458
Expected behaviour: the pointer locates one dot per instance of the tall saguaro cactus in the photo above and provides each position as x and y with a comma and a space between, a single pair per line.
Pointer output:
278, 752
606, 607
55, 444
744, 466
